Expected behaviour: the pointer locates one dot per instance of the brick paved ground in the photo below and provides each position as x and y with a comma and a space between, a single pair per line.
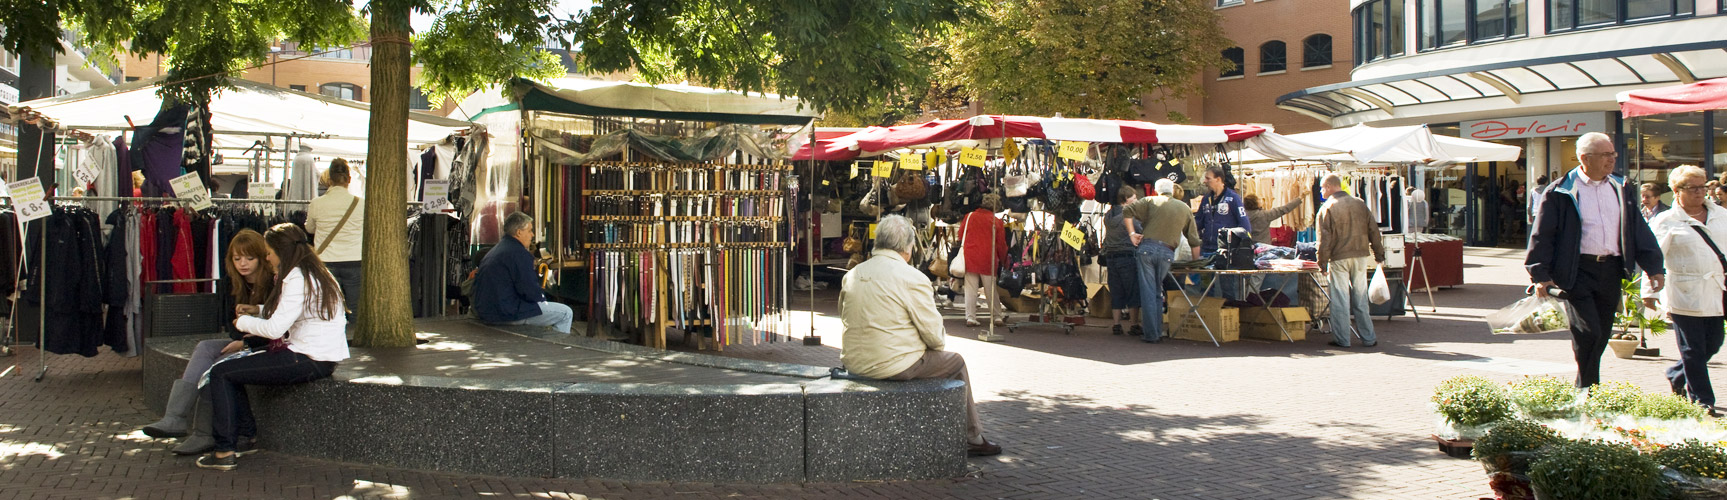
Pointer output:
1082, 416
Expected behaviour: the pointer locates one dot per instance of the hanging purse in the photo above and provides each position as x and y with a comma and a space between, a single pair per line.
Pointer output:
1083, 187
910, 188
852, 244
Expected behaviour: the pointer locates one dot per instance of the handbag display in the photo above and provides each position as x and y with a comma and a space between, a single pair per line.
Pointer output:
910, 188
1083, 187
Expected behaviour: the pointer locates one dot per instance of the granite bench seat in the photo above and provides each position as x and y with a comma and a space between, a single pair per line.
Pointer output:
476, 399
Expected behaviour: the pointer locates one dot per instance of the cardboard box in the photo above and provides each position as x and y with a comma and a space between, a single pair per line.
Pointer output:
1099, 305
1026, 302
1224, 322
1259, 323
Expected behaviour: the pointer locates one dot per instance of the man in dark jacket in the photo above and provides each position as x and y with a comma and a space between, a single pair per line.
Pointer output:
506, 288
1588, 236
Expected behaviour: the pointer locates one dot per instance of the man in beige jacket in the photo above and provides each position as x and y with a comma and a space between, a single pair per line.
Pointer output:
1349, 244
892, 328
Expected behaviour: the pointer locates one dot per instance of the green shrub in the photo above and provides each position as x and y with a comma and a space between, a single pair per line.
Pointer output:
1694, 458
1472, 401
1596, 470
1545, 397
1666, 406
1515, 435
1612, 398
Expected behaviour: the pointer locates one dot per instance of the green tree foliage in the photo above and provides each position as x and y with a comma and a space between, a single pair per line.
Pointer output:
1093, 59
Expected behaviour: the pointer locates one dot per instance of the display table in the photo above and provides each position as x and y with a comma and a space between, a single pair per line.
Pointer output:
1193, 309
1444, 262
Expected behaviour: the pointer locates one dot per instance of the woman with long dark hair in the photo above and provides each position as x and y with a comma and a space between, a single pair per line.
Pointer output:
251, 279
304, 323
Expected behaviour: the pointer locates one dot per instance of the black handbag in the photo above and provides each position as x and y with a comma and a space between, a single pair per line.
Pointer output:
1012, 281
1235, 249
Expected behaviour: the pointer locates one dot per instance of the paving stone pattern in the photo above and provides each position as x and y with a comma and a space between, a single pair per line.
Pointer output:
1083, 416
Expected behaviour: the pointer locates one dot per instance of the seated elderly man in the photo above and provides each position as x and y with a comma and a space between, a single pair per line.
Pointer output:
892, 328
506, 287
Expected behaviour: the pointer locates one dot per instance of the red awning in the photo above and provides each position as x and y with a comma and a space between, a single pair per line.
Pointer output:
1701, 96
880, 139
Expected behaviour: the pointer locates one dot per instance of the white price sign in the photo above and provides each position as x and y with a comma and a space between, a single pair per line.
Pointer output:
86, 175
436, 195
191, 187
261, 190
27, 196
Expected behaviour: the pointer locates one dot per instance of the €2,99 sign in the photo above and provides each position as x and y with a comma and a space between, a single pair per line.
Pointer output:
191, 187
436, 196
27, 196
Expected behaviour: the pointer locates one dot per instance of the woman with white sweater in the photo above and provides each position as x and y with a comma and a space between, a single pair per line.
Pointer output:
304, 323
1691, 234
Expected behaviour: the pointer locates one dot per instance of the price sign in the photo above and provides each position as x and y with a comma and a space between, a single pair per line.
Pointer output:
971, 156
882, 169
1071, 235
191, 187
936, 158
1009, 150
86, 174
27, 196
261, 190
435, 194
911, 161
855, 168
1073, 150
872, 231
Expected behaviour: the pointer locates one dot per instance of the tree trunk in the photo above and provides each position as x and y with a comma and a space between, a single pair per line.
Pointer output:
385, 316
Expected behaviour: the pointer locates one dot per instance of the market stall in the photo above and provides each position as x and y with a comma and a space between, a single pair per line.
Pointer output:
662, 206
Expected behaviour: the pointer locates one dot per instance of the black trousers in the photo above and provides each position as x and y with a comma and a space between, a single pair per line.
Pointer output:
231, 410
1596, 298
1699, 339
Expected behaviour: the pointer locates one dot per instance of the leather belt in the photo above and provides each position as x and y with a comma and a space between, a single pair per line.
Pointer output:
1599, 258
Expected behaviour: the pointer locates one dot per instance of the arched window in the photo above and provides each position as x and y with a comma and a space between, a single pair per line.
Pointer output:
1273, 57
1316, 51
347, 91
1233, 55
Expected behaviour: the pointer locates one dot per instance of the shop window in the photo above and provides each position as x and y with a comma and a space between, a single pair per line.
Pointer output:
1568, 15
1227, 3
1658, 143
301, 88
417, 99
347, 91
1273, 57
1446, 23
1233, 55
1378, 30
1316, 51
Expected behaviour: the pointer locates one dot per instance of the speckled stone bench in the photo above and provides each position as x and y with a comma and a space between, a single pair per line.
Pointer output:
480, 400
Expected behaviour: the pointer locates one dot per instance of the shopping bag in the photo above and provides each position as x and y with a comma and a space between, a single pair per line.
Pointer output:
1377, 290
1532, 315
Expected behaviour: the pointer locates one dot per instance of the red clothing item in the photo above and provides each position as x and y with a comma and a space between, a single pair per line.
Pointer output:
974, 234
183, 253
147, 245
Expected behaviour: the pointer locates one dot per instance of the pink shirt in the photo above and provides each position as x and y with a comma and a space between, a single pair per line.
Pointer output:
1598, 204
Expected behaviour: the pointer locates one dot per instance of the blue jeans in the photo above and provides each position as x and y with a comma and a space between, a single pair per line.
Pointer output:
552, 314
1154, 259
1699, 339
1348, 279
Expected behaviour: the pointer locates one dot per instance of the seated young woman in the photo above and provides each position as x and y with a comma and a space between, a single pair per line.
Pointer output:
302, 319
250, 281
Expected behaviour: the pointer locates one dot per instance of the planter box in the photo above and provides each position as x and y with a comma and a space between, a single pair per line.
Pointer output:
1258, 323
1624, 349
1456, 448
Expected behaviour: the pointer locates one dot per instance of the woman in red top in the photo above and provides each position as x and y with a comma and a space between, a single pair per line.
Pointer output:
974, 237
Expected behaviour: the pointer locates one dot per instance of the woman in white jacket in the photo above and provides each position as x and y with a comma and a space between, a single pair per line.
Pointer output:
1690, 233
304, 322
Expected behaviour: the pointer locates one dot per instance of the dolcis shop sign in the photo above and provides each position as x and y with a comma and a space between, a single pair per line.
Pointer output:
1568, 124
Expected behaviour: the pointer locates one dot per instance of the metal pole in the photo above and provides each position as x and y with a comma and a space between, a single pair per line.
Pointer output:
42, 296
990, 293
811, 239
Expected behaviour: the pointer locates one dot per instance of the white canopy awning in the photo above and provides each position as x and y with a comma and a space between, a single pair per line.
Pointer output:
1362, 144
251, 112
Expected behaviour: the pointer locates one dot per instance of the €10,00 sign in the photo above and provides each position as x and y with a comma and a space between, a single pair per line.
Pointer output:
191, 187
28, 198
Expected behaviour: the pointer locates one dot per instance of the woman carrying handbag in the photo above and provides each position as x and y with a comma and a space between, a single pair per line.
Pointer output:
979, 264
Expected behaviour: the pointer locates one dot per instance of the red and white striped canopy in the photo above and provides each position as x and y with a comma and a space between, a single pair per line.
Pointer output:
881, 139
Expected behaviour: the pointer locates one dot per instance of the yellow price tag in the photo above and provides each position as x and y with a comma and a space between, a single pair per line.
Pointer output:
936, 158
1073, 150
971, 156
855, 168
1009, 150
882, 169
1071, 235
911, 161
872, 231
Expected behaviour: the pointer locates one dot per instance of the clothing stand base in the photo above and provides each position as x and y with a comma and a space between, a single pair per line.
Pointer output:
1416, 263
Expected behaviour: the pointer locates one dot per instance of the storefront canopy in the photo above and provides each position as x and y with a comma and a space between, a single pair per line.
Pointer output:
669, 102
250, 112
875, 140
1362, 144
1700, 96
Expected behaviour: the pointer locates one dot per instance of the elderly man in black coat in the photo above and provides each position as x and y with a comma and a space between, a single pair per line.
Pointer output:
1588, 237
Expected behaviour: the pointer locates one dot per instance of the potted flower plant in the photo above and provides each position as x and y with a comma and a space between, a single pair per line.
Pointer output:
1506, 451
1595, 470
1694, 469
1546, 397
1469, 404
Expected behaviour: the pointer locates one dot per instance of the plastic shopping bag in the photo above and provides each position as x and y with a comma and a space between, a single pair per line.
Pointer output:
1532, 315
1377, 290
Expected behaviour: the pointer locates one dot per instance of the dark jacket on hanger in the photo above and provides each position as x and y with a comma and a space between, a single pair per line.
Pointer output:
507, 288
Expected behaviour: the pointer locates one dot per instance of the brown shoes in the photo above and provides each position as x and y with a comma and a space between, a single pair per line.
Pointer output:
987, 449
